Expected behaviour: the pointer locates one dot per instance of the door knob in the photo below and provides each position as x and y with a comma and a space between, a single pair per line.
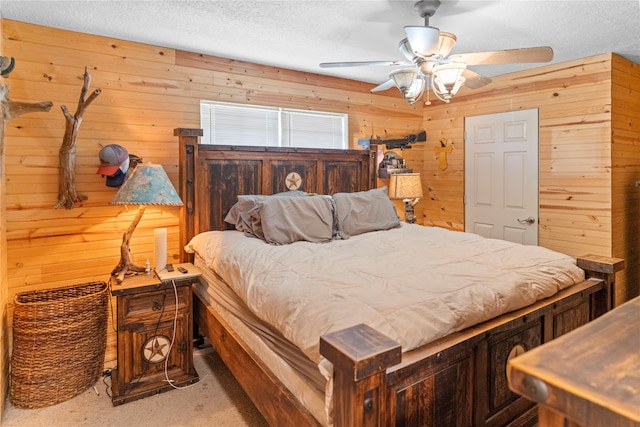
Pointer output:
529, 220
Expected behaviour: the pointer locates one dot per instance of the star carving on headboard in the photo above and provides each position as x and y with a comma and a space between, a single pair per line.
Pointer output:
293, 181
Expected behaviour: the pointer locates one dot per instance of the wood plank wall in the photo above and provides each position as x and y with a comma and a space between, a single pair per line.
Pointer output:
625, 170
587, 164
4, 325
147, 91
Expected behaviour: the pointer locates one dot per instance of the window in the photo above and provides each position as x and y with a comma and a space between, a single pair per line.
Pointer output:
240, 124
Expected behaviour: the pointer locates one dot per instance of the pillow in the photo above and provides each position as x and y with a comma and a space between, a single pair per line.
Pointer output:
364, 211
286, 220
240, 213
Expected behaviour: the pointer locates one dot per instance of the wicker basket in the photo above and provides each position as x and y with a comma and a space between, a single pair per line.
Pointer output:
59, 340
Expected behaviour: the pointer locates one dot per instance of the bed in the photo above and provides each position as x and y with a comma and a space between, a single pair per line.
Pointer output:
354, 367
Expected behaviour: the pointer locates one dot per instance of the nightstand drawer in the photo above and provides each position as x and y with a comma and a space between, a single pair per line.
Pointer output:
153, 305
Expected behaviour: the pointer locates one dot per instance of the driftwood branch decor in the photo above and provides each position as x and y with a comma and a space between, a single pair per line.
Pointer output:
11, 109
126, 264
67, 194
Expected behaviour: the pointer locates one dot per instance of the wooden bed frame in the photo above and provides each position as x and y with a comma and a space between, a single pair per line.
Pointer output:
459, 380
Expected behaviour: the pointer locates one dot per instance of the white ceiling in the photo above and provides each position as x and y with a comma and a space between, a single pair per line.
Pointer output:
299, 34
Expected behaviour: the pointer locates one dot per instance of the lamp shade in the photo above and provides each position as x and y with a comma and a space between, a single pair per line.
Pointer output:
415, 90
424, 41
448, 78
403, 78
405, 49
405, 186
147, 185
446, 43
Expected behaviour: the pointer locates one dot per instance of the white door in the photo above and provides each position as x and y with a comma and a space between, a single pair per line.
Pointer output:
501, 176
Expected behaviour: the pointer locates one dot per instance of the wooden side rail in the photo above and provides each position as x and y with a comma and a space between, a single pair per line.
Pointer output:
277, 404
360, 357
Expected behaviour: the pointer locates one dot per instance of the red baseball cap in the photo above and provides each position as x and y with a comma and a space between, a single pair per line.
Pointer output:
112, 156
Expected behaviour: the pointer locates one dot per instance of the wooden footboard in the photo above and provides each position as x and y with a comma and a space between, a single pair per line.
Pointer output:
459, 380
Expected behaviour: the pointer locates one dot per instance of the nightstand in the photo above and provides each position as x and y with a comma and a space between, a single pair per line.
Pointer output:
147, 345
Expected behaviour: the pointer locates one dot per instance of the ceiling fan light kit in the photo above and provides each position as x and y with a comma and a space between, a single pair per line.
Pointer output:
446, 42
447, 80
424, 41
405, 49
403, 78
409, 82
416, 90
429, 67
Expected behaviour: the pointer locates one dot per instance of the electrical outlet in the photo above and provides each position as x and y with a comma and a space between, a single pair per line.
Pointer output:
637, 184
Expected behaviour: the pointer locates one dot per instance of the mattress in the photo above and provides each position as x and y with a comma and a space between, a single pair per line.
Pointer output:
414, 284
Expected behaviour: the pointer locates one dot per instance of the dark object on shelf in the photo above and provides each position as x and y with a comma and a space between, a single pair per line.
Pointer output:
404, 143
392, 164
59, 342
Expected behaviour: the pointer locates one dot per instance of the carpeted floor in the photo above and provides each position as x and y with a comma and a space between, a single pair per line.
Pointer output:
216, 400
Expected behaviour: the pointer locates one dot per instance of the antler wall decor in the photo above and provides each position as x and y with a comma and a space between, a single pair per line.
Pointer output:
67, 194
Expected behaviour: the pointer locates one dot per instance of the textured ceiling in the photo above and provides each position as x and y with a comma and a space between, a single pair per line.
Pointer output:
299, 34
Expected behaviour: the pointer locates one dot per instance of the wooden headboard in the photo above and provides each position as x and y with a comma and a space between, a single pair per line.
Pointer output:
212, 176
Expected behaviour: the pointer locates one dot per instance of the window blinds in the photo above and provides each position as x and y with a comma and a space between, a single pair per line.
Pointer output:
241, 124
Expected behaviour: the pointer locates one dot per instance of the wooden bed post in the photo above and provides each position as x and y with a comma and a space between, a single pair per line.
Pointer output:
188, 139
604, 268
360, 357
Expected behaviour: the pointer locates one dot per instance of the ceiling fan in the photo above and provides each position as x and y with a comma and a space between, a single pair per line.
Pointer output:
429, 66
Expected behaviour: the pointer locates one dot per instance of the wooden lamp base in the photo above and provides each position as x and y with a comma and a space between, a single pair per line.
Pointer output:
126, 264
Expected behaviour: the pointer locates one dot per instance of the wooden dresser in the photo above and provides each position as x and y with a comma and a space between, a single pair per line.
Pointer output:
588, 377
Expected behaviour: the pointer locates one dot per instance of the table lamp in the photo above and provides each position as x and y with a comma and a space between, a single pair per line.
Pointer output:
406, 186
148, 184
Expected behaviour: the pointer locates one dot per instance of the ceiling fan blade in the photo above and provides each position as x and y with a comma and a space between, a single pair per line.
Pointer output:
384, 86
362, 64
509, 56
474, 80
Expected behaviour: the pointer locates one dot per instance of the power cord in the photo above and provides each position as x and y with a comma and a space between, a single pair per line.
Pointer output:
113, 324
107, 387
173, 337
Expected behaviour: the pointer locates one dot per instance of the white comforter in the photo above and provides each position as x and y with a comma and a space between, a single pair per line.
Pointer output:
415, 284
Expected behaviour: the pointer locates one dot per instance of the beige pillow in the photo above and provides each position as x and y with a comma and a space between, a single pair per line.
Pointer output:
286, 220
364, 211
245, 216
